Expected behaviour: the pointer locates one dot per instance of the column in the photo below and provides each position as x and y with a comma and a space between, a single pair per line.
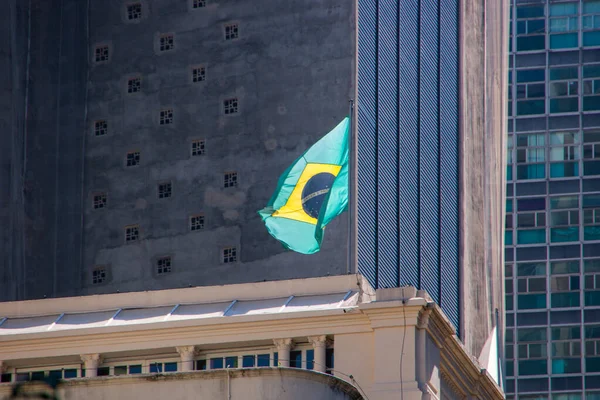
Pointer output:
91, 363
283, 348
187, 354
319, 343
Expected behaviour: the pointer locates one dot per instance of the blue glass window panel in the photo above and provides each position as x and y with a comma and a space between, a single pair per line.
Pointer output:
531, 171
591, 265
531, 236
533, 367
531, 204
566, 365
564, 9
135, 369
70, 373
566, 333
564, 73
329, 359
263, 360
564, 41
521, 27
530, 11
530, 43
536, 90
591, 103
531, 269
37, 375
310, 358
531, 301
570, 234
231, 362
591, 298
591, 71
591, 38
509, 172
569, 299
564, 267
171, 367
536, 26
510, 303
562, 170
248, 361
591, 201
531, 107
200, 365
276, 359
531, 75
591, 233
591, 22
509, 205
295, 359
216, 363
592, 332
510, 111
508, 238
591, 7
591, 168
564, 24
592, 364
510, 368
56, 374
156, 368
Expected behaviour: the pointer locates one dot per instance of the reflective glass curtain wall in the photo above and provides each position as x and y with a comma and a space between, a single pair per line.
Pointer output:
552, 241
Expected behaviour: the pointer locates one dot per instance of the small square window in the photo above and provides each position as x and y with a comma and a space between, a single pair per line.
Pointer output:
132, 233
198, 147
100, 200
133, 158
197, 222
231, 31
100, 128
198, 74
230, 106
229, 255
164, 190
101, 54
99, 275
166, 116
230, 179
199, 3
163, 265
134, 11
134, 85
167, 42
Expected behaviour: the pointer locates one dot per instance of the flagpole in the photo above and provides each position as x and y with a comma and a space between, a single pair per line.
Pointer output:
350, 185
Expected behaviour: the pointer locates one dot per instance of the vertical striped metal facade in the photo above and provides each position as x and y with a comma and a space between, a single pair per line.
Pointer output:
407, 137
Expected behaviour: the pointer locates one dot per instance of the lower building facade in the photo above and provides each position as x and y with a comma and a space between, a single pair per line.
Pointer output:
321, 338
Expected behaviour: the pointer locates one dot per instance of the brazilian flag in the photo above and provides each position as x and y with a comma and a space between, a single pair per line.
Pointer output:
310, 193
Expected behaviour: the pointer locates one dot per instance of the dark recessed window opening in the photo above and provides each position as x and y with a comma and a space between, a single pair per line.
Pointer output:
166, 116
230, 179
133, 158
99, 200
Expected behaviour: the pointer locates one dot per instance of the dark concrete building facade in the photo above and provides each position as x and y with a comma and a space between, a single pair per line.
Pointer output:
147, 133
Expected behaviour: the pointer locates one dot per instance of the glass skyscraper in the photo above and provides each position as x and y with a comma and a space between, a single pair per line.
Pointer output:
553, 201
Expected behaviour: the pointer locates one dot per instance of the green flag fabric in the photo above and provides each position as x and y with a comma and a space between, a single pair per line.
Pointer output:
310, 193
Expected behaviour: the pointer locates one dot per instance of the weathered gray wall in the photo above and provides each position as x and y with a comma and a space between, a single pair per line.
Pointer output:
13, 61
483, 165
292, 69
